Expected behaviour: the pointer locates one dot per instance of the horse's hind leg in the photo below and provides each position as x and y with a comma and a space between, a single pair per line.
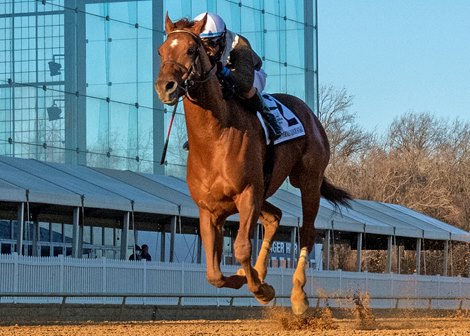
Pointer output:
270, 217
310, 205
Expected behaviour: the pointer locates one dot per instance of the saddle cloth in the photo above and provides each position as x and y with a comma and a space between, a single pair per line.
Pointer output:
291, 125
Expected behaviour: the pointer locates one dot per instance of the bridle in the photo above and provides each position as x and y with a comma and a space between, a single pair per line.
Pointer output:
193, 74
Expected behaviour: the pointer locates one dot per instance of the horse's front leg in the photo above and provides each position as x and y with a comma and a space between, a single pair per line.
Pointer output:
249, 212
212, 236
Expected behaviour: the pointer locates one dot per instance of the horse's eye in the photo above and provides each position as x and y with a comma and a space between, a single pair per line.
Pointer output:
191, 51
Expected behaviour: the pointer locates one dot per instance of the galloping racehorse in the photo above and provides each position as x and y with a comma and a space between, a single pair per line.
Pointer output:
225, 164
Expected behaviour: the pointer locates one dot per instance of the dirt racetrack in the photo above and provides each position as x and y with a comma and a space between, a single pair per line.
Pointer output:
271, 326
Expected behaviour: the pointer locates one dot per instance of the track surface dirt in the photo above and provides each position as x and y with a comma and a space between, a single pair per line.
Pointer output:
273, 326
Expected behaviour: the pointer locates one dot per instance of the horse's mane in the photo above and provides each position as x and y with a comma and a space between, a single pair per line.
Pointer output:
184, 23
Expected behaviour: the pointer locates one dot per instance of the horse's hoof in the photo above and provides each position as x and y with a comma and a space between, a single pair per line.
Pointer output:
235, 281
299, 307
265, 293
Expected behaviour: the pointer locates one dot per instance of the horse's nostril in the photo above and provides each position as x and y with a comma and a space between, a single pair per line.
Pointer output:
170, 86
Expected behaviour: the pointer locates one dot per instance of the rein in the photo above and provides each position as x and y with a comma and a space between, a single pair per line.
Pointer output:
190, 82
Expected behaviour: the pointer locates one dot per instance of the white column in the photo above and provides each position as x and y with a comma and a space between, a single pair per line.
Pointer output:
76, 247
418, 256
328, 250
162, 243
389, 254
35, 238
399, 259
199, 249
359, 252
446, 257
125, 235
19, 235
174, 220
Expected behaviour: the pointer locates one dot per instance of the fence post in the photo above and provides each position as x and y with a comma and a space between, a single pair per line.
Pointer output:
61, 273
103, 261
182, 281
15, 272
340, 281
416, 290
145, 277
282, 281
438, 288
367, 280
460, 286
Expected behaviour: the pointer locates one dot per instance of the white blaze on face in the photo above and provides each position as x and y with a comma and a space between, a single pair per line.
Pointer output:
174, 43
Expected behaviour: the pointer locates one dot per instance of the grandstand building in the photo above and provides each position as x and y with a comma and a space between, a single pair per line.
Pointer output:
82, 131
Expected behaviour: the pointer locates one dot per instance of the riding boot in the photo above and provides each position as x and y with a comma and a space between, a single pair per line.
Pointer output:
256, 104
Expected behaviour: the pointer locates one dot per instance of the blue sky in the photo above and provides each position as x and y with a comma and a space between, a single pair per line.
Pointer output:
397, 56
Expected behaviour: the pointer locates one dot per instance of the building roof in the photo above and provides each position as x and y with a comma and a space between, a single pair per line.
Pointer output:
23, 180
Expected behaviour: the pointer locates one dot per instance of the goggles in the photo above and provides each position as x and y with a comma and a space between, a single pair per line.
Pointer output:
212, 42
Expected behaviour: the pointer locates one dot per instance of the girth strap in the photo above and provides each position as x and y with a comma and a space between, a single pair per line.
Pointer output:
268, 166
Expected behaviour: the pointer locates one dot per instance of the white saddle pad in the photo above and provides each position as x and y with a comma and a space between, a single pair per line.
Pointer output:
291, 125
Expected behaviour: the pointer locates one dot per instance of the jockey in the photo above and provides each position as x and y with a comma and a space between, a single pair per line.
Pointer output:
230, 51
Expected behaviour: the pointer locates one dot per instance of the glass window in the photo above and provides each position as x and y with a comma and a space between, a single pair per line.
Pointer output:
5, 230
87, 234
110, 254
109, 236
68, 233
98, 253
57, 250
178, 8
117, 237
56, 229
144, 16
118, 64
45, 251
122, 60
68, 251
231, 13
6, 248
252, 29
97, 235
295, 45
44, 232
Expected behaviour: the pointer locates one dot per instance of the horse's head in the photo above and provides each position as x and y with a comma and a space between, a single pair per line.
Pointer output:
179, 55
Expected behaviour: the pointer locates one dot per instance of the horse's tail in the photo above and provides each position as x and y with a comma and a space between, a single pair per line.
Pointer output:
335, 195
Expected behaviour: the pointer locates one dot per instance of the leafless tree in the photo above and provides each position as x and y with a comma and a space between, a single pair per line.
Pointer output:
346, 137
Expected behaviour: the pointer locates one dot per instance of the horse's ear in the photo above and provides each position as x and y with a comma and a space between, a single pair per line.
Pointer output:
199, 25
169, 25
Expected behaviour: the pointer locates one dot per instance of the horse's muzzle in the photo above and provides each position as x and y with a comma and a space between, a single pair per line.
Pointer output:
168, 91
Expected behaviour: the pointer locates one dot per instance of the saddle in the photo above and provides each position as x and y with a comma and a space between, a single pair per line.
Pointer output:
290, 123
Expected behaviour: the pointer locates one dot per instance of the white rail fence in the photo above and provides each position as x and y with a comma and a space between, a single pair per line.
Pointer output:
62, 275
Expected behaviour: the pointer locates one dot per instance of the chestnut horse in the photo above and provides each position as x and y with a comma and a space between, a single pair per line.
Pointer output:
225, 164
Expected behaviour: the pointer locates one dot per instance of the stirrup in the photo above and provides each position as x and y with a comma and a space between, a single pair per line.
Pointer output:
186, 146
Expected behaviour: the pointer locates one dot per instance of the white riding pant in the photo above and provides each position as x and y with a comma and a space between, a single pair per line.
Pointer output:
260, 80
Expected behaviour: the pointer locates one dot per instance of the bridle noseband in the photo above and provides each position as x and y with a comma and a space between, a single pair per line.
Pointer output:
193, 76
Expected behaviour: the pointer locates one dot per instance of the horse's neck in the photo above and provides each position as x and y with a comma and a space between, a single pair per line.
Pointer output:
207, 113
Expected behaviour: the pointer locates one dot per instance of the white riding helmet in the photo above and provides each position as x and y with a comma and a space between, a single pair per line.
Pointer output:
215, 25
